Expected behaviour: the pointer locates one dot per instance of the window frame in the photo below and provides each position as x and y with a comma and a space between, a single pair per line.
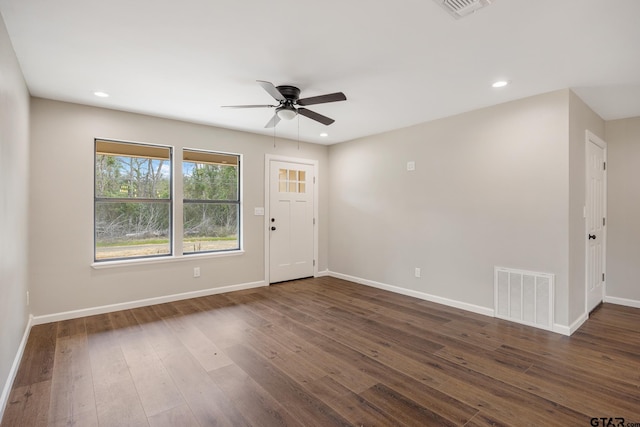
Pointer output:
237, 201
176, 203
170, 201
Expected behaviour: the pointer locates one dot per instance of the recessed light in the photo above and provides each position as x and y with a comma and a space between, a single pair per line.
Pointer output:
101, 94
500, 83
324, 134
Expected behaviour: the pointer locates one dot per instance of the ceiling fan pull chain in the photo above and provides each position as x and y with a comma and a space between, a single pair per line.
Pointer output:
298, 132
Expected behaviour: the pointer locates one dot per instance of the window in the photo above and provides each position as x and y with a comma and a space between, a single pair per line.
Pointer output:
134, 209
211, 206
291, 181
133, 202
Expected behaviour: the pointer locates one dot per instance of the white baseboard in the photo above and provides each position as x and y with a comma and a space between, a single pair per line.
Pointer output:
569, 330
564, 330
56, 317
6, 391
623, 301
416, 294
323, 273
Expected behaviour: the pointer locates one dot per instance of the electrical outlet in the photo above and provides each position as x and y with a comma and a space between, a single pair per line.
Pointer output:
27, 297
411, 166
196, 271
417, 272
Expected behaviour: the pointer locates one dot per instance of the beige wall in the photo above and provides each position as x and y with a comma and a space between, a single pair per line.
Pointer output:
14, 180
61, 214
581, 119
623, 231
490, 189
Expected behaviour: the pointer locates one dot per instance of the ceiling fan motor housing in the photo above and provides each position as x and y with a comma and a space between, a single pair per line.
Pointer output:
292, 93
287, 110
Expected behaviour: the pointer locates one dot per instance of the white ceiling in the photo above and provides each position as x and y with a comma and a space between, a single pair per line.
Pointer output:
399, 62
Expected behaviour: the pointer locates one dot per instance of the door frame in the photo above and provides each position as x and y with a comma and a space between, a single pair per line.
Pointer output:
591, 138
268, 158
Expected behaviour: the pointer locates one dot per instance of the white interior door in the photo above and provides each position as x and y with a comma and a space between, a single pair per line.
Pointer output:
291, 221
596, 220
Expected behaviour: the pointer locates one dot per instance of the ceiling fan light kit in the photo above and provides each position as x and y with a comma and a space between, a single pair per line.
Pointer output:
286, 113
289, 98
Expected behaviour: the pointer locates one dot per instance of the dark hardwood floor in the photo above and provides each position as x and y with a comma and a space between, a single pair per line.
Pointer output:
324, 352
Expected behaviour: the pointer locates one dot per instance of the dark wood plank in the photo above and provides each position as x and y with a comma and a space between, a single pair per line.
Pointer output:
352, 406
300, 403
404, 409
254, 402
39, 353
155, 387
117, 400
28, 406
72, 396
323, 352
178, 416
206, 401
199, 345
71, 328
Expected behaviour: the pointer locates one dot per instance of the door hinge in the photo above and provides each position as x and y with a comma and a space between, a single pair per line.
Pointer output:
314, 179
314, 262
604, 222
604, 166
314, 221
602, 276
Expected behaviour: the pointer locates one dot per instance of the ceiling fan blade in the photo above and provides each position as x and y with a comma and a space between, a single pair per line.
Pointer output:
322, 99
273, 121
315, 116
271, 90
247, 106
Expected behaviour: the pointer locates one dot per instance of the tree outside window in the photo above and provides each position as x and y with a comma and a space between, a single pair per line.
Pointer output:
211, 204
133, 200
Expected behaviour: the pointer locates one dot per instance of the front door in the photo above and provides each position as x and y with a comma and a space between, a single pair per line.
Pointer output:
291, 221
596, 220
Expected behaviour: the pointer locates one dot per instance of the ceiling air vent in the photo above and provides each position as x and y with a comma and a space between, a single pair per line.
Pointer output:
461, 8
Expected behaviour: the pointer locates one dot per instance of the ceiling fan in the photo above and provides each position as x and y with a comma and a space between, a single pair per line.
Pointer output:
290, 104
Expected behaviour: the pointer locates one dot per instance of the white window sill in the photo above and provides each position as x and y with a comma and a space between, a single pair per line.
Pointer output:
162, 260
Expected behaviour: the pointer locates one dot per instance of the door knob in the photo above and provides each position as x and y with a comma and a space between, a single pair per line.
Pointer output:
592, 236
273, 229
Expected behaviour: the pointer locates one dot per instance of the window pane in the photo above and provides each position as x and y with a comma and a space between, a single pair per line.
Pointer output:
210, 227
132, 177
203, 181
125, 230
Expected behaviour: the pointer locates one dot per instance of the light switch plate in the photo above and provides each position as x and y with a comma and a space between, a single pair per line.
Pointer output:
258, 211
411, 166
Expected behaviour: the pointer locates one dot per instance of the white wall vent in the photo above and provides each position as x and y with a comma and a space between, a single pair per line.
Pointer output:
461, 8
524, 296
